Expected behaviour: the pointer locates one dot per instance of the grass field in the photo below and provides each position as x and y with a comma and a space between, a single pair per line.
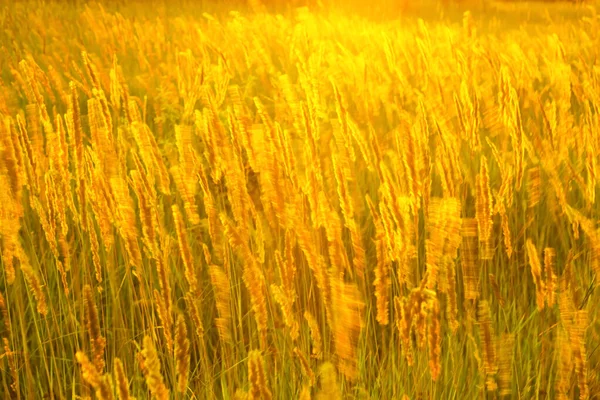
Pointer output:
393, 202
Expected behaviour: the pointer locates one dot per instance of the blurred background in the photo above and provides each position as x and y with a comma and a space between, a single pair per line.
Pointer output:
371, 9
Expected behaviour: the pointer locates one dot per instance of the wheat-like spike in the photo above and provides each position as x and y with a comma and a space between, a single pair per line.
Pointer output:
418, 300
47, 227
329, 385
164, 315
315, 335
203, 125
184, 249
221, 286
134, 112
595, 255
452, 242
259, 386
106, 116
5, 316
425, 172
182, 354
347, 207
102, 201
489, 348
63, 158
506, 230
343, 120
505, 359
252, 276
496, 289
42, 78
185, 147
403, 324
125, 101
9, 229
151, 156
95, 128
105, 389
90, 70
518, 141
468, 24
288, 266
469, 256
451, 147
65, 252
12, 365
33, 281
34, 142
536, 272
304, 393
549, 267
566, 302
534, 187
434, 246
217, 134
56, 81
306, 370
187, 195
152, 373
95, 248
27, 155
435, 340
591, 168
258, 236
335, 246
347, 325
146, 212
210, 207
101, 383
32, 82
206, 253
577, 338
443, 167
314, 171
289, 158
126, 221
88, 370
165, 303
452, 210
122, 381
10, 164
76, 130
271, 180
190, 301
22, 85
236, 183
285, 303
565, 364
315, 263
241, 394
411, 158
98, 342
56, 208
483, 209
452, 304
382, 281
368, 149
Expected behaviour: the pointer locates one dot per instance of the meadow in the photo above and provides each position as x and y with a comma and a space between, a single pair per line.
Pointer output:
205, 201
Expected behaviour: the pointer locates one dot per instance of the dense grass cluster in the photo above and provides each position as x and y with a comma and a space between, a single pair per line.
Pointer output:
250, 205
